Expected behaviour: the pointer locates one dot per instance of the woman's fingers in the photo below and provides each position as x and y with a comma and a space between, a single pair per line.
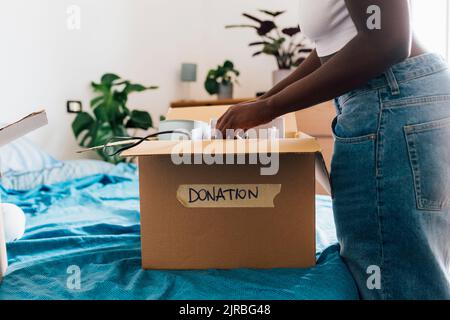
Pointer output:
227, 124
240, 117
222, 122
226, 121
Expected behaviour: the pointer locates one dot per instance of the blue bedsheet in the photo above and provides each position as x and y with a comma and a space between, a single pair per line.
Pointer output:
93, 223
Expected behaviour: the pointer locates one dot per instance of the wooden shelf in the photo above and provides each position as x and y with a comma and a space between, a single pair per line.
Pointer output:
206, 103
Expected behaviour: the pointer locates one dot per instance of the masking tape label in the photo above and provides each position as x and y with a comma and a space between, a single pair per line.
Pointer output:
228, 195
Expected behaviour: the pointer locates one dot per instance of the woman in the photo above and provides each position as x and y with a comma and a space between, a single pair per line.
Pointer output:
390, 170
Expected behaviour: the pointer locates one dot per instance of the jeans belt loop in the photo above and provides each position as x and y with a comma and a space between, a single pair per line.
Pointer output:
392, 82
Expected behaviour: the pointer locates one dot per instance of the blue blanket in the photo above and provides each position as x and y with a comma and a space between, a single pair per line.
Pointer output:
89, 227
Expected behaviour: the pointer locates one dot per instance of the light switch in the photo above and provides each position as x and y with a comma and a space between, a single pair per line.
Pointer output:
74, 106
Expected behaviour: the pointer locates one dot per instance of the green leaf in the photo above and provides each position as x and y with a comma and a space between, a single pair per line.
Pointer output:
134, 88
101, 113
212, 86
121, 97
120, 131
82, 122
120, 117
140, 120
124, 110
86, 142
114, 111
109, 78
258, 43
96, 101
100, 88
273, 48
305, 50
103, 134
211, 74
220, 72
272, 13
137, 88
228, 65
237, 26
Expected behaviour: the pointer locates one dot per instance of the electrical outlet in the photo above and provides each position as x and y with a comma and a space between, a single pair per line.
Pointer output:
74, 106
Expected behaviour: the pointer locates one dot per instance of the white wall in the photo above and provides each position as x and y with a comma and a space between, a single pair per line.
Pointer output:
43, 63
431, 25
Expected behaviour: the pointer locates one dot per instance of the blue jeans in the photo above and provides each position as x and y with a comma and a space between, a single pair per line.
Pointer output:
391, 181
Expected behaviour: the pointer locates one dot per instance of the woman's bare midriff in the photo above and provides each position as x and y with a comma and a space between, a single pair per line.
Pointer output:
416, 50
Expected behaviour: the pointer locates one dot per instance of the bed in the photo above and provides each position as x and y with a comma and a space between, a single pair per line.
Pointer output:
83, 216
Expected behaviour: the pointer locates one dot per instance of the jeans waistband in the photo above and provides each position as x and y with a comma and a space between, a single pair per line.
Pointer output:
411, 68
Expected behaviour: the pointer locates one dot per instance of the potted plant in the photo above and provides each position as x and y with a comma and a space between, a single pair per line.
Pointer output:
287, 45
220, 81
110, 116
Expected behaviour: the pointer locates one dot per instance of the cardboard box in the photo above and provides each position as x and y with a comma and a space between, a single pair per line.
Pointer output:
226, 216
8, 134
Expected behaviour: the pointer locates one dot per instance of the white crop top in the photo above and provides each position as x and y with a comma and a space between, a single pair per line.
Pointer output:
328, 23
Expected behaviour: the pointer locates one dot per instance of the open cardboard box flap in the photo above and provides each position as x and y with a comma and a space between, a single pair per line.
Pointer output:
293, 145
23, 126
297, 142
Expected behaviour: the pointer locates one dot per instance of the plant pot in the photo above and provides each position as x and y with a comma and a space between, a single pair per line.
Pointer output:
279, 75
225, 91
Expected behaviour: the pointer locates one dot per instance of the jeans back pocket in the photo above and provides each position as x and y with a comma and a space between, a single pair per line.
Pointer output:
429, 154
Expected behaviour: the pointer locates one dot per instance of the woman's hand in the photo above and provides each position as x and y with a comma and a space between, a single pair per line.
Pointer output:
245, 116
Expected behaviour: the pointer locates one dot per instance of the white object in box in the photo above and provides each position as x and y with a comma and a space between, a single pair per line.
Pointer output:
8, 134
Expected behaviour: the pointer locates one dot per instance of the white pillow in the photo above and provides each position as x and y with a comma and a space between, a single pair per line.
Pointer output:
23, 156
